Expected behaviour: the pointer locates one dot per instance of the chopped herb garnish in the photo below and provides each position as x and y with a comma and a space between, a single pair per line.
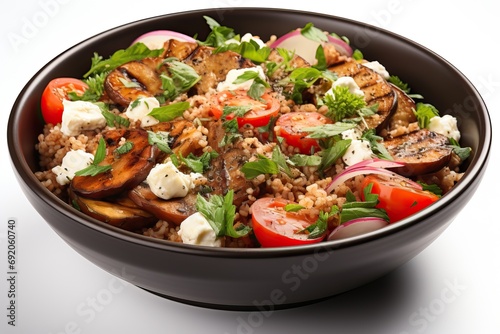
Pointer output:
199, 164
343, 103
122, 149
353, 209
94, 168
376, 144
331, 154
136, 51
318, 229
218, 35
462, 152
263, 165
220, 212
424, 113
160, 139
169, 112
433, 188
313, 33
113, 120
180, 79
328, 130
293, 207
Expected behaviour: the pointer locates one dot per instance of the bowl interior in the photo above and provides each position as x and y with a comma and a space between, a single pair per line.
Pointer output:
427, 73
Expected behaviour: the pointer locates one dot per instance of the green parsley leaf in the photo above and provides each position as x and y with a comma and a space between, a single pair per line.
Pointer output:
182, 77
313, 33
95, 168
264, 165
219, 34
321, 58
352, 209
122, 149
305, 160
160, 139
113, 120
330, 155
424, 113
318, 229
328, 130
433, 188
343, 104
281, 160
220, 212
248, 50
293, 207
357, 54
199, 164
462, 152
169, 112
376, 144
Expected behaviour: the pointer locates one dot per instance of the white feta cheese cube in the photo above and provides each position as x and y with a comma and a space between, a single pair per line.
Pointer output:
233, 74
79, 116
445, 125
139, 109
167, 182
358, 151
196, 230
72, 162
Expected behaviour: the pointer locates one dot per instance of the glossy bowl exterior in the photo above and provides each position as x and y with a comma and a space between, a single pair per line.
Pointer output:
256, 278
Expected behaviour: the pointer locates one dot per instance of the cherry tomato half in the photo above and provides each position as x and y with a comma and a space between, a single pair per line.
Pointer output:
275, 227
397, 197
259, 114
56, 91
290, 126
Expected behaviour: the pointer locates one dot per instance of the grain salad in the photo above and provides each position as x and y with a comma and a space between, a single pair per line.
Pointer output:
234, 141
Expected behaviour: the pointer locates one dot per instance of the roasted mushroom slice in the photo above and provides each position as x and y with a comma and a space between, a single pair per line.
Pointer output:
213, 67
131, 81
127, 169
422, 152
225, 173
377, 91
178, 49
120, 213
183, 135
404, 115
174, 210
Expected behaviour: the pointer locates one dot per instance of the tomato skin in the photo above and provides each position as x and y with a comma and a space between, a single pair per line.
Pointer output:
53, 95
397, 197
290, 125
274, 227
259, 115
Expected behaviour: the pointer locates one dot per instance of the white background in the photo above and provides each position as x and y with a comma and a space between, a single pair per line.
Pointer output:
451, 287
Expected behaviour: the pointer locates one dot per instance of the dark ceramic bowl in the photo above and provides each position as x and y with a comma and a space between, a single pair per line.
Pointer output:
257, 278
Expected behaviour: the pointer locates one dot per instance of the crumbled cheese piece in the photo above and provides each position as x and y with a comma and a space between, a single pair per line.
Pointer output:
79, 116
167, 182
377, 67
246, 38
353, 134
235, 73
72, 162
196, 230
358, 151
139, 109
347, 82
445, 125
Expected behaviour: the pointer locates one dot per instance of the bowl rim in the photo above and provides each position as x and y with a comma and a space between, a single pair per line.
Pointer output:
24, 173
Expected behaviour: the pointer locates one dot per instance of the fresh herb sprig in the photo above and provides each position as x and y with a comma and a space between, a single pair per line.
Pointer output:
94, 168
353, 209
220, 212
136, 51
